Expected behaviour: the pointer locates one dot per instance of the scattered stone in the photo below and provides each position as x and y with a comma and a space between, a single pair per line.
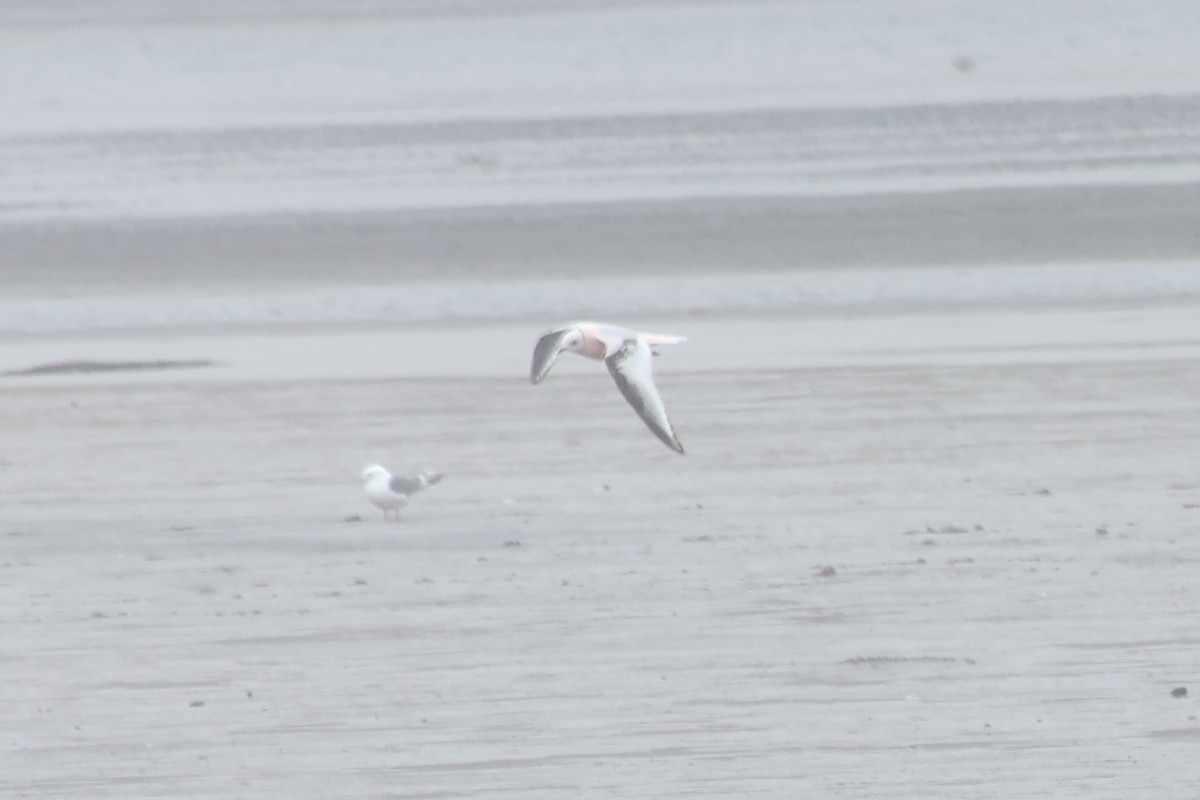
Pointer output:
963, 64
512, 543
826, 571
196, 704
352, 518
953, 529
1102, 530
1042, 490
1179, 692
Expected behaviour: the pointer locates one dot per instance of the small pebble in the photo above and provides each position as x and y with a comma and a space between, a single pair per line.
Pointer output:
963, 64
1179, 692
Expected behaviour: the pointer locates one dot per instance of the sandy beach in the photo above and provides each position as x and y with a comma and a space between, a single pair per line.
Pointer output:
935, 532
926, 570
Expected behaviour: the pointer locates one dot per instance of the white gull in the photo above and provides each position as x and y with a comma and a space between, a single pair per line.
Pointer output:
392, 492
627, 354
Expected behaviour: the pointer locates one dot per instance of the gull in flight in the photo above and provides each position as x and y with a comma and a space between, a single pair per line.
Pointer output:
392, 492
628, 357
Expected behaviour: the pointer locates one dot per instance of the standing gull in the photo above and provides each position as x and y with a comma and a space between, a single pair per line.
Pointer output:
627, 354
392, 492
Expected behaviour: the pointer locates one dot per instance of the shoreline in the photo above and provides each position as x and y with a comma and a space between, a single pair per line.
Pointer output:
1002, 333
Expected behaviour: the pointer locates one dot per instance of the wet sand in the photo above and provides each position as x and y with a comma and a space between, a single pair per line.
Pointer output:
935, 532
955, 565
1068, 224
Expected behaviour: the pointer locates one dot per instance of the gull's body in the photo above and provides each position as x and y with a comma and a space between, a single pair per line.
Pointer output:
392, 492
628, 356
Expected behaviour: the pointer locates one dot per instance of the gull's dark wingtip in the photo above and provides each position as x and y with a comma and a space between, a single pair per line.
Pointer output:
667, 437
671, 441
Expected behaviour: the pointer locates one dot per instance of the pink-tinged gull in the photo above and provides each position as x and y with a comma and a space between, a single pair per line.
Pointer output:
392, 492
628, 357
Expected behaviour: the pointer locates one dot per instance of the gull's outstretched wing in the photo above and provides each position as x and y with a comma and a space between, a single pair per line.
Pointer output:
545, 353
630, 367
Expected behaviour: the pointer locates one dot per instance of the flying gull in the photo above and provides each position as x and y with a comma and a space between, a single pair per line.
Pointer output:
392, 492
627, 354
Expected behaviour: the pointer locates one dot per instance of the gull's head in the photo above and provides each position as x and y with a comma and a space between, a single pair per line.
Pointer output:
553, 344
373, 472
572, 341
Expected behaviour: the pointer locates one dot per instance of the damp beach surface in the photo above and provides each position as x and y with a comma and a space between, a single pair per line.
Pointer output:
934, 534
898, 571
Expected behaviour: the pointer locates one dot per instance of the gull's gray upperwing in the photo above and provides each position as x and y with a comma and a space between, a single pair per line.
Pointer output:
407, 486
630, 367
545, 353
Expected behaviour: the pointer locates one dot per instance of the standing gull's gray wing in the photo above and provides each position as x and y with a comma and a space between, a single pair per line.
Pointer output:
545, 353
408, 486
630, 367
